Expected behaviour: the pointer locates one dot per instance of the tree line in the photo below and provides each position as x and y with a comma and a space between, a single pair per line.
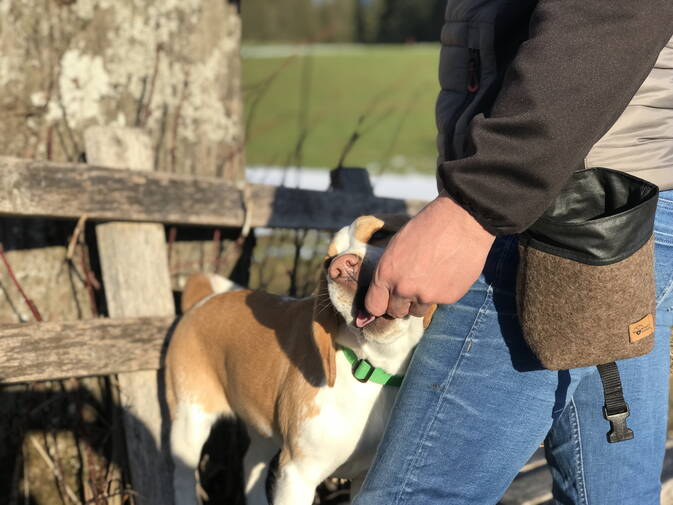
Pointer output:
363, 21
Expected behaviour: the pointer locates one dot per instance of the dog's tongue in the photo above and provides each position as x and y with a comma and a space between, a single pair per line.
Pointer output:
363, 318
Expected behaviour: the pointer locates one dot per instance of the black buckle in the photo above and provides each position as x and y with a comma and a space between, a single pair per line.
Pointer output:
356, 365
618, 429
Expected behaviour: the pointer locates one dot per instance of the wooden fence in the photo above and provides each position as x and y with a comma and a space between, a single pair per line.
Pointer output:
41, 351
129, 206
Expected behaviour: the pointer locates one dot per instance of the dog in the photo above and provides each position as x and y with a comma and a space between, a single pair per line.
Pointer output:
287, 368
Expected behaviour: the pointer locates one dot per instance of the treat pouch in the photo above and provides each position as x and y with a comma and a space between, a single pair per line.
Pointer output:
585, 287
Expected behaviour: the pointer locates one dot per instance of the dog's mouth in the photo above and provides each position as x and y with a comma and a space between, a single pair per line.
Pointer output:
362, 318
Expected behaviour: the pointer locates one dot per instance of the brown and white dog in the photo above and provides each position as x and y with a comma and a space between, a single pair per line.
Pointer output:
274, 362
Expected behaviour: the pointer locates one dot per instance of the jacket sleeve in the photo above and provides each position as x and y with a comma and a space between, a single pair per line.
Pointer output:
568, 83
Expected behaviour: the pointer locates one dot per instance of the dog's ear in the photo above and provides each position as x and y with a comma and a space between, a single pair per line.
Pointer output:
324, 326
365, 226
427, 318
379, 229
393, 223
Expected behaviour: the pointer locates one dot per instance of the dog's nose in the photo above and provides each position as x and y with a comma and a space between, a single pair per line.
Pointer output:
345, 268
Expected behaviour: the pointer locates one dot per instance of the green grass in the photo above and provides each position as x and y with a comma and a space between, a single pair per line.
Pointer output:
392, 88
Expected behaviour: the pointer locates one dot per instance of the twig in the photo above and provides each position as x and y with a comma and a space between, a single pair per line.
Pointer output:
172, 235
162, 135
264, 87
55, 454
62, 142
176, 122
10, 302
88, 277
217, 247
52, 466
74, 239
50, 142
398, 130
123, 492
29, 302
150, 93
305, 105
68, 129
358, 132
234, 251
90, 281
299, 238
96, 480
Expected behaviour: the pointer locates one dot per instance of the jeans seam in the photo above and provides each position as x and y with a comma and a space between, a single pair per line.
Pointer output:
579, 460
666, 291
661, 237
404, 489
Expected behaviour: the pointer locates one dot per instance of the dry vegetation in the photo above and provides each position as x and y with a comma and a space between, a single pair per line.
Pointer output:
62, 442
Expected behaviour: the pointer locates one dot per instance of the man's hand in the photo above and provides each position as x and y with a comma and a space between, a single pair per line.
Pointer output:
435, 258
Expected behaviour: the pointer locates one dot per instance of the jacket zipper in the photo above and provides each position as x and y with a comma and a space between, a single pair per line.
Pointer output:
473, 82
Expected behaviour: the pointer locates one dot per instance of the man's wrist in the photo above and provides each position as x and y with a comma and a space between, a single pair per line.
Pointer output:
451, 209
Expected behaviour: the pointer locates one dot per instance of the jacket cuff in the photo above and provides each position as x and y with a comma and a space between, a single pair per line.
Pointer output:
487, 222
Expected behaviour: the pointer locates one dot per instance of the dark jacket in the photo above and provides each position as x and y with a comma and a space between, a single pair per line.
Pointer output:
527, 89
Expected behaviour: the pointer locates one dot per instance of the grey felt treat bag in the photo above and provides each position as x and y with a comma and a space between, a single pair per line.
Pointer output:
585, 286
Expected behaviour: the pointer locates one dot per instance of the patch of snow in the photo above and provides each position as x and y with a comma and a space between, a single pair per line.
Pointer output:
289, 50
405, 186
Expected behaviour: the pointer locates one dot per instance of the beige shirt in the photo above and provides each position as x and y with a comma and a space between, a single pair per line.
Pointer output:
641, 141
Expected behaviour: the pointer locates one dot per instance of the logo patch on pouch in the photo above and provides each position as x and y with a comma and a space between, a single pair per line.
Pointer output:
641, 329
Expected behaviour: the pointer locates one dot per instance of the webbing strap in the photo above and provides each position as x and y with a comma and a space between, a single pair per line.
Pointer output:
615, 408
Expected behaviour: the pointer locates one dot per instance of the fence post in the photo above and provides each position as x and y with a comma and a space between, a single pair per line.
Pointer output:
134, 266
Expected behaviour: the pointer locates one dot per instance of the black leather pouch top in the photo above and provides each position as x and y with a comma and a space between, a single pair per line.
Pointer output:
585, 287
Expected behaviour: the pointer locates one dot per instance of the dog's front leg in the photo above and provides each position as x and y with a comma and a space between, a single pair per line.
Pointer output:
298, 479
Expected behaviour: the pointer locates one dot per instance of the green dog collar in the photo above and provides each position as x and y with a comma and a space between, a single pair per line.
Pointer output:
364, 371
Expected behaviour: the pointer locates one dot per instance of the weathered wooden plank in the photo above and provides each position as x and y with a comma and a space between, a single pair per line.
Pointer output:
62, 190
134, 264
55, 350
126, 147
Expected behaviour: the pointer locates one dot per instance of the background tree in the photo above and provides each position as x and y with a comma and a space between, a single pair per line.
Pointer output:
410, 20
364, 21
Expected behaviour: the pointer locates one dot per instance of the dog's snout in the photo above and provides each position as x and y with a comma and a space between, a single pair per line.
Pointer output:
345, 268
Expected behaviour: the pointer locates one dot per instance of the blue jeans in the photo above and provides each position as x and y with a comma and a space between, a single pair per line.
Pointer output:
476, 404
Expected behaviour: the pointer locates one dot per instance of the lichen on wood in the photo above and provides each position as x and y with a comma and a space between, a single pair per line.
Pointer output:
168, 66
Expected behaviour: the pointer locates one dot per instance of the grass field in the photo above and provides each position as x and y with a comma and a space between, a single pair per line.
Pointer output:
303, 107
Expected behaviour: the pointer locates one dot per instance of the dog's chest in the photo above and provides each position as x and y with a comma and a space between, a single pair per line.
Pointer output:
350, 424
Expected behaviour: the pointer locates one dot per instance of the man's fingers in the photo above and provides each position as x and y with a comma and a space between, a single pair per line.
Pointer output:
398, 307
418, 309
376, 300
